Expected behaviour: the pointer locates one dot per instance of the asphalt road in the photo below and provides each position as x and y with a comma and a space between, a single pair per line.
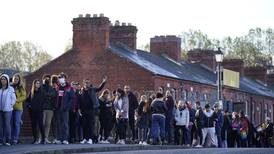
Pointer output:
199, 151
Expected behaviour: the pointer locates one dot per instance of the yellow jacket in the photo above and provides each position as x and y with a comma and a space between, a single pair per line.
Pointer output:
21, 96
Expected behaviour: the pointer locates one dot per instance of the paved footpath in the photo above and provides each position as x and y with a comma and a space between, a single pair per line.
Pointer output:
121, 149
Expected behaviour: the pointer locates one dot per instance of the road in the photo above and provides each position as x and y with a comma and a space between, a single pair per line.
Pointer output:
198, 151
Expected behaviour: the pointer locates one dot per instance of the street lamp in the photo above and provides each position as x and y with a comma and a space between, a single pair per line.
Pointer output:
219, 59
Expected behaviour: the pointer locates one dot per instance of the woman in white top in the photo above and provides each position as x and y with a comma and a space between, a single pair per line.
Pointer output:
7, 100
121, 108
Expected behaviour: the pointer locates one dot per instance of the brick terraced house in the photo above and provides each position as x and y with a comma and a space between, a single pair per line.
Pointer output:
100, 48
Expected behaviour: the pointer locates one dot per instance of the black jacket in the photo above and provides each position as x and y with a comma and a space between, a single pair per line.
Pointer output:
106, 109
88, 99
133, 104
50, 97
158, 107
209, 118
36, 102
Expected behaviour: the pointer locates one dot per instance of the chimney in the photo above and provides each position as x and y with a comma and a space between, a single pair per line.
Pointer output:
204, 57
236, 65
91, 33
124, 33
256, 73
169, 45
270, 79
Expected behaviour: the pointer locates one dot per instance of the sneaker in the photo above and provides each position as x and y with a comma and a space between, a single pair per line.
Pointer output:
83, 141
55, 141
198, 146
65, 142
37, 142
145, 143
107, 142
101, 142
122, 142
7, 144
89, 141
118, 142
140, 143
47, 141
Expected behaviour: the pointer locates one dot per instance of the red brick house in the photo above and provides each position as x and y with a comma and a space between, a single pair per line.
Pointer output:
100, 48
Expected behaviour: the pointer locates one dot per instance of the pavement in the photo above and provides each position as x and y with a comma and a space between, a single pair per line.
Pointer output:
123, 149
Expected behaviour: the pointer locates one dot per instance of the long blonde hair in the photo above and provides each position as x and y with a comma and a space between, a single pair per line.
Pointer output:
33, 87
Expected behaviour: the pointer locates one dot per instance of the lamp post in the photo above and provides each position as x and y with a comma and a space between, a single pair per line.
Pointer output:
219, 59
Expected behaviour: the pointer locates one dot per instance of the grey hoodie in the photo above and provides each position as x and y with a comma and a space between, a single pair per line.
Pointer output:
7, 97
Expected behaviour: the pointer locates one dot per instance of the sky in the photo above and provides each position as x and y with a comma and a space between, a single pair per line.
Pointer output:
48, 22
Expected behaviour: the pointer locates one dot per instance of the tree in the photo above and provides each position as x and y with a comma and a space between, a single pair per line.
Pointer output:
256, 47
24, 56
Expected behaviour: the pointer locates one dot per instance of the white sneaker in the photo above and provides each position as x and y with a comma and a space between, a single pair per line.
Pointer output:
89, 141
7, 144
65, 142
83, 141
101, 142
123, 142
55, 141
140, 143
38, 141
198, 146
47, 141
107, 142
119, 142
145, 143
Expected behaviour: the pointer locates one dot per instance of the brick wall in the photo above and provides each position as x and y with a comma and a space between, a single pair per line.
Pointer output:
169, 45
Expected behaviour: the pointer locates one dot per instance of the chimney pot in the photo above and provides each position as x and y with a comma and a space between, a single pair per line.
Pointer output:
95, 15
124, 24
101, 14
80, 16
87, 15
129, 24
117, 23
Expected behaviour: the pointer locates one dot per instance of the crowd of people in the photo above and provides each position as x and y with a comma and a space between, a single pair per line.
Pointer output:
65, 113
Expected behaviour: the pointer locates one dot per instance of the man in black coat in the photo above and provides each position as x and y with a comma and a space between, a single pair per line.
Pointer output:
133, 104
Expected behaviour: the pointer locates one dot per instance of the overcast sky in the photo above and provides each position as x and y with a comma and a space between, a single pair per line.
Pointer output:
48, 22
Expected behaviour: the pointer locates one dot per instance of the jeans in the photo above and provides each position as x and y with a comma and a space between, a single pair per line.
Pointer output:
142, 134
158, 123
182, 133
65, 125
169, 128
122, 128
219, 138
5, 128
16, 124
56, 125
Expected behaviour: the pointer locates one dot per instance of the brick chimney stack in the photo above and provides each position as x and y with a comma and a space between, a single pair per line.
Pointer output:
256, 72
91, 33
236, 65
169, 45
204, 57
124, 33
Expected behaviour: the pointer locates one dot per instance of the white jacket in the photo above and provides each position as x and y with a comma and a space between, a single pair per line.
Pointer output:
182, 117
7, 97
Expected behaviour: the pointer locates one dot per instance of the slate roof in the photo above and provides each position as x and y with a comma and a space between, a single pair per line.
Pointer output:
9, 72
163, 66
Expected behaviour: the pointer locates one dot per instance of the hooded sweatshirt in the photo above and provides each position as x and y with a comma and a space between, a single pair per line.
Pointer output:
7, 96
209, 118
